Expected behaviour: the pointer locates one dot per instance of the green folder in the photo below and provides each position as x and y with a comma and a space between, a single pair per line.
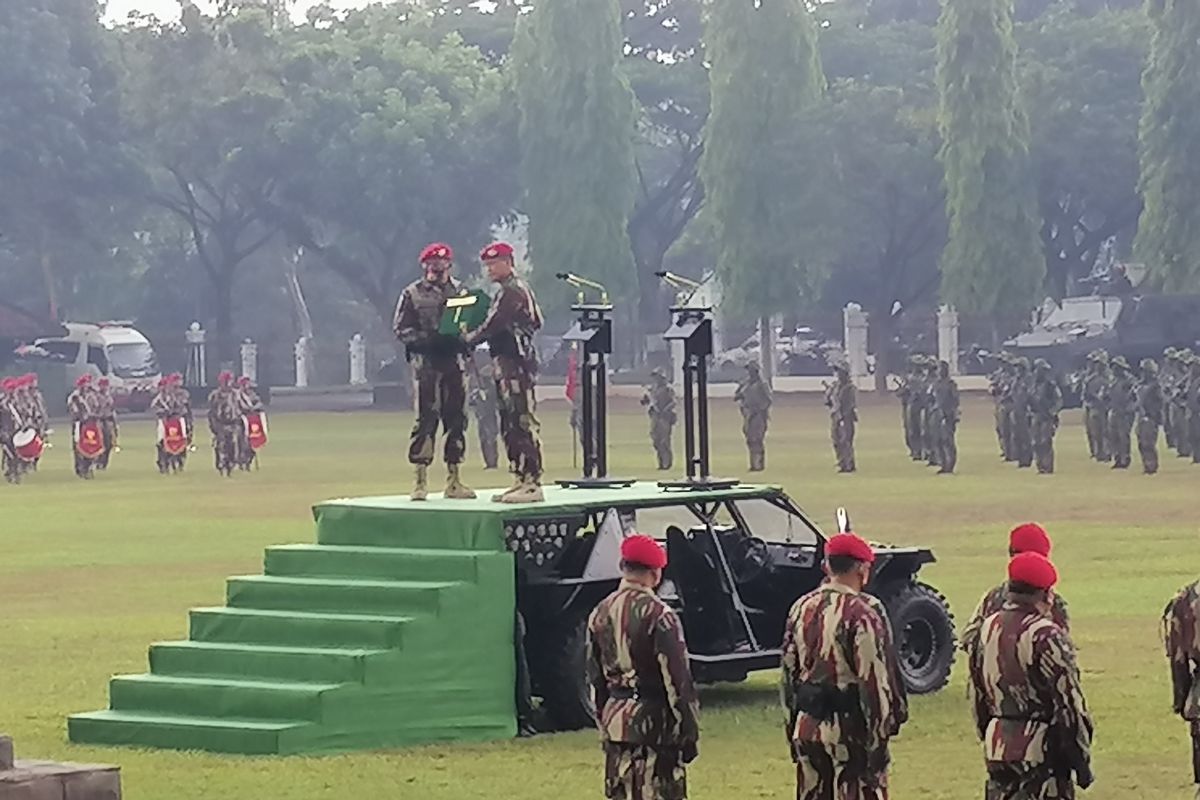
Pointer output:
464, 312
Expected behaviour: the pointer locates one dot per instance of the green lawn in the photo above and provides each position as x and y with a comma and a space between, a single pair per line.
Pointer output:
92, 573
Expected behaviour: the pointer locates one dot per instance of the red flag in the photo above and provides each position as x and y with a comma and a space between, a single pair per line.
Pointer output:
572, 373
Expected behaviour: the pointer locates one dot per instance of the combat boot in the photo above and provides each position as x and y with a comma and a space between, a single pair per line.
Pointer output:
421, 486
529, 491
455, 488
518, 483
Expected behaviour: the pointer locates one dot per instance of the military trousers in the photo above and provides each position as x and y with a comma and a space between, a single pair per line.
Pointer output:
1018, 780
1004, 430
225, 447
1194, 435
841, 431
912, 426
519, 426
660, 436
947, 444
1042, 434
1195, 726
1147, 441
1168, 424
643, 772
1021, 439
1096, 421
1120, 426
1179, 419
440, 397
825, 775
754, 428
108, 429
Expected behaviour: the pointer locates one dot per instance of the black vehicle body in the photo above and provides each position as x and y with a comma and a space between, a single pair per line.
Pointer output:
738, 560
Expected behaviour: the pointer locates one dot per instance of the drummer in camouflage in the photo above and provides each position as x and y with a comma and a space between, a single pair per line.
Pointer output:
841, 687
10, 422
1181, 633
1023, 684
637, 666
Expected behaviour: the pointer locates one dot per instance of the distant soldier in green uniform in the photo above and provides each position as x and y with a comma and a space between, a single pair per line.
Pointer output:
918, 395
841, 398
647, 707
1020, 401
1044, 407
106, 412
1025, 538
1178, 401
487, 420
841, 687
1181, 634
753, 397
998, 390
905, 392
1023, 685
1094, 389
659, 401
1192, 404
946, 416
11, 421
929, 419
438, 365
1168, 378
1151, 407
512, 320
1122, 401
225, 410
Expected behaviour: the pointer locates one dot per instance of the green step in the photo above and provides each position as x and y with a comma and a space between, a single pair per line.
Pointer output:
387, 563
396, 522
244, 736
223, 698
260, 661
334, 594
264, 626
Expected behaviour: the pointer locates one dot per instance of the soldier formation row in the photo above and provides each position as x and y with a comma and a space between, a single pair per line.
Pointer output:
842, 692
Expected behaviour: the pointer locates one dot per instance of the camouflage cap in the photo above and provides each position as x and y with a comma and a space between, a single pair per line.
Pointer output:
1149, 365
1120, 363
1022, 362
657, 372
1041, 364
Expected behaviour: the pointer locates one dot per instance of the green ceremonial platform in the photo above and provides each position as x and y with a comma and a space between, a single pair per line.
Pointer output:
395, 628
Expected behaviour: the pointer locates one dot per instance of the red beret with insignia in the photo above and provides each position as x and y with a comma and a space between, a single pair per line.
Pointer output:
1029, 538
851, 545
1032, 569
437, 250
225, 378
8, 384
496, 250
83, 380
644, 551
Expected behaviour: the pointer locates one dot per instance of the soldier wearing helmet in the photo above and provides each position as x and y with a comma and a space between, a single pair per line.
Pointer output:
1045, 403
1150, 410
1122, 394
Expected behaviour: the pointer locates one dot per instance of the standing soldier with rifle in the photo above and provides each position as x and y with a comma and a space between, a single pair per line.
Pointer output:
1020, 390
1150, 410
841, 688
647, 707
1094, 389
753, 397
1026, 700
225, 410
1178, 401
918, 392
1121, 402
905, 392
1181, 634
659, 401
947, 415
1001, 391
929, 416
106, 412
1044, 407
842, 401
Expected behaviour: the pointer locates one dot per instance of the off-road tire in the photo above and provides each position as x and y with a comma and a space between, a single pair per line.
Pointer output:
923, 631
566, 696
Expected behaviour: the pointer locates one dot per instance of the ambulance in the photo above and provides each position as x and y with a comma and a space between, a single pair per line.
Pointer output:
114, 350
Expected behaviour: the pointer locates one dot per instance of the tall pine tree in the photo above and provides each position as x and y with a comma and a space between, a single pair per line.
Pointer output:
766, 72
1169, 233
992, 263
577, 126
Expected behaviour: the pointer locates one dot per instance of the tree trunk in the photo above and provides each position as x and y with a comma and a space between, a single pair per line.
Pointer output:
766, 349
47, 264
223, 338
884, 329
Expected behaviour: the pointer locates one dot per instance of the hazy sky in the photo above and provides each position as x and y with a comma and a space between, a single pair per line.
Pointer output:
169, 9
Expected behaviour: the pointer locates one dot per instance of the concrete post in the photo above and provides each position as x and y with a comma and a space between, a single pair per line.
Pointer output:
855, 323
250, 360
303, 357
196, 373
947, 326
358, 360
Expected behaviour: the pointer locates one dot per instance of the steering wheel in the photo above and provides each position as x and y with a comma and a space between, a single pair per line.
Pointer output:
750, 559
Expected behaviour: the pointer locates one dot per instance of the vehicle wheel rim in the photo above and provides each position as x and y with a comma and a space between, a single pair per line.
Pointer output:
918, 646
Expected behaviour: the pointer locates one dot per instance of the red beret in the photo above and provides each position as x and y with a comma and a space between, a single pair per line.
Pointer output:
641, 549
225, 378
1029, 538
437, 250
8, 384
83, 380
848, 544
496, 250
1032, 569
103, 381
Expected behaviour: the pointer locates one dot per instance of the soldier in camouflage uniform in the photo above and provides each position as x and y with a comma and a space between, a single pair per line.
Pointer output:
1044, 407
946, 417
1178, 399
512, 321
438, 365
1023, 684
1168, 378
1192, 405
905, 392
647, 707
32, 405
106, 411
659, 401
225, 410
487, 419
1019, 403
929, 423
841, 685
753, 397
1094, 389
1026, 538
1121, 405
918, 395
1181, 634
10, 422
81, 405
1151, 407
842, 401
998, 382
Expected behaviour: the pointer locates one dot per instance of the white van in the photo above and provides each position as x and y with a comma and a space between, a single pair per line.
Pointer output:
115, 350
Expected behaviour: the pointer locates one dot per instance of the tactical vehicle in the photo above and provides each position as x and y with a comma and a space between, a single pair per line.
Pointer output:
739, 557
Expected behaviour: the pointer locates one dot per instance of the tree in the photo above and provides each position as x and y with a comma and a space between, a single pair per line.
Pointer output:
992, 263
1168, 238
765, 74
576, 139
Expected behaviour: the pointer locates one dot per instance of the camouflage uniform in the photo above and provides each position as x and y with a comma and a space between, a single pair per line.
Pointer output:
1192, 404
1027, 703
929, 416
648, 708
1121, 401
659, 401
837, 645
993, 602
1168, 378
225, 412
946, 418
1044, 406
10, 422
1181, 634
511, 322
168, 402
106, 411
483, 404
918, 395
905, 392
1150, 410
753, 397
1179, 414
998, 389
81, 405
439, 370
251, 403
1019, 401
1095, 407
842, 400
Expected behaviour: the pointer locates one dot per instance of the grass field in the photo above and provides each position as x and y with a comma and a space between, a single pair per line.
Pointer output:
92, 573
